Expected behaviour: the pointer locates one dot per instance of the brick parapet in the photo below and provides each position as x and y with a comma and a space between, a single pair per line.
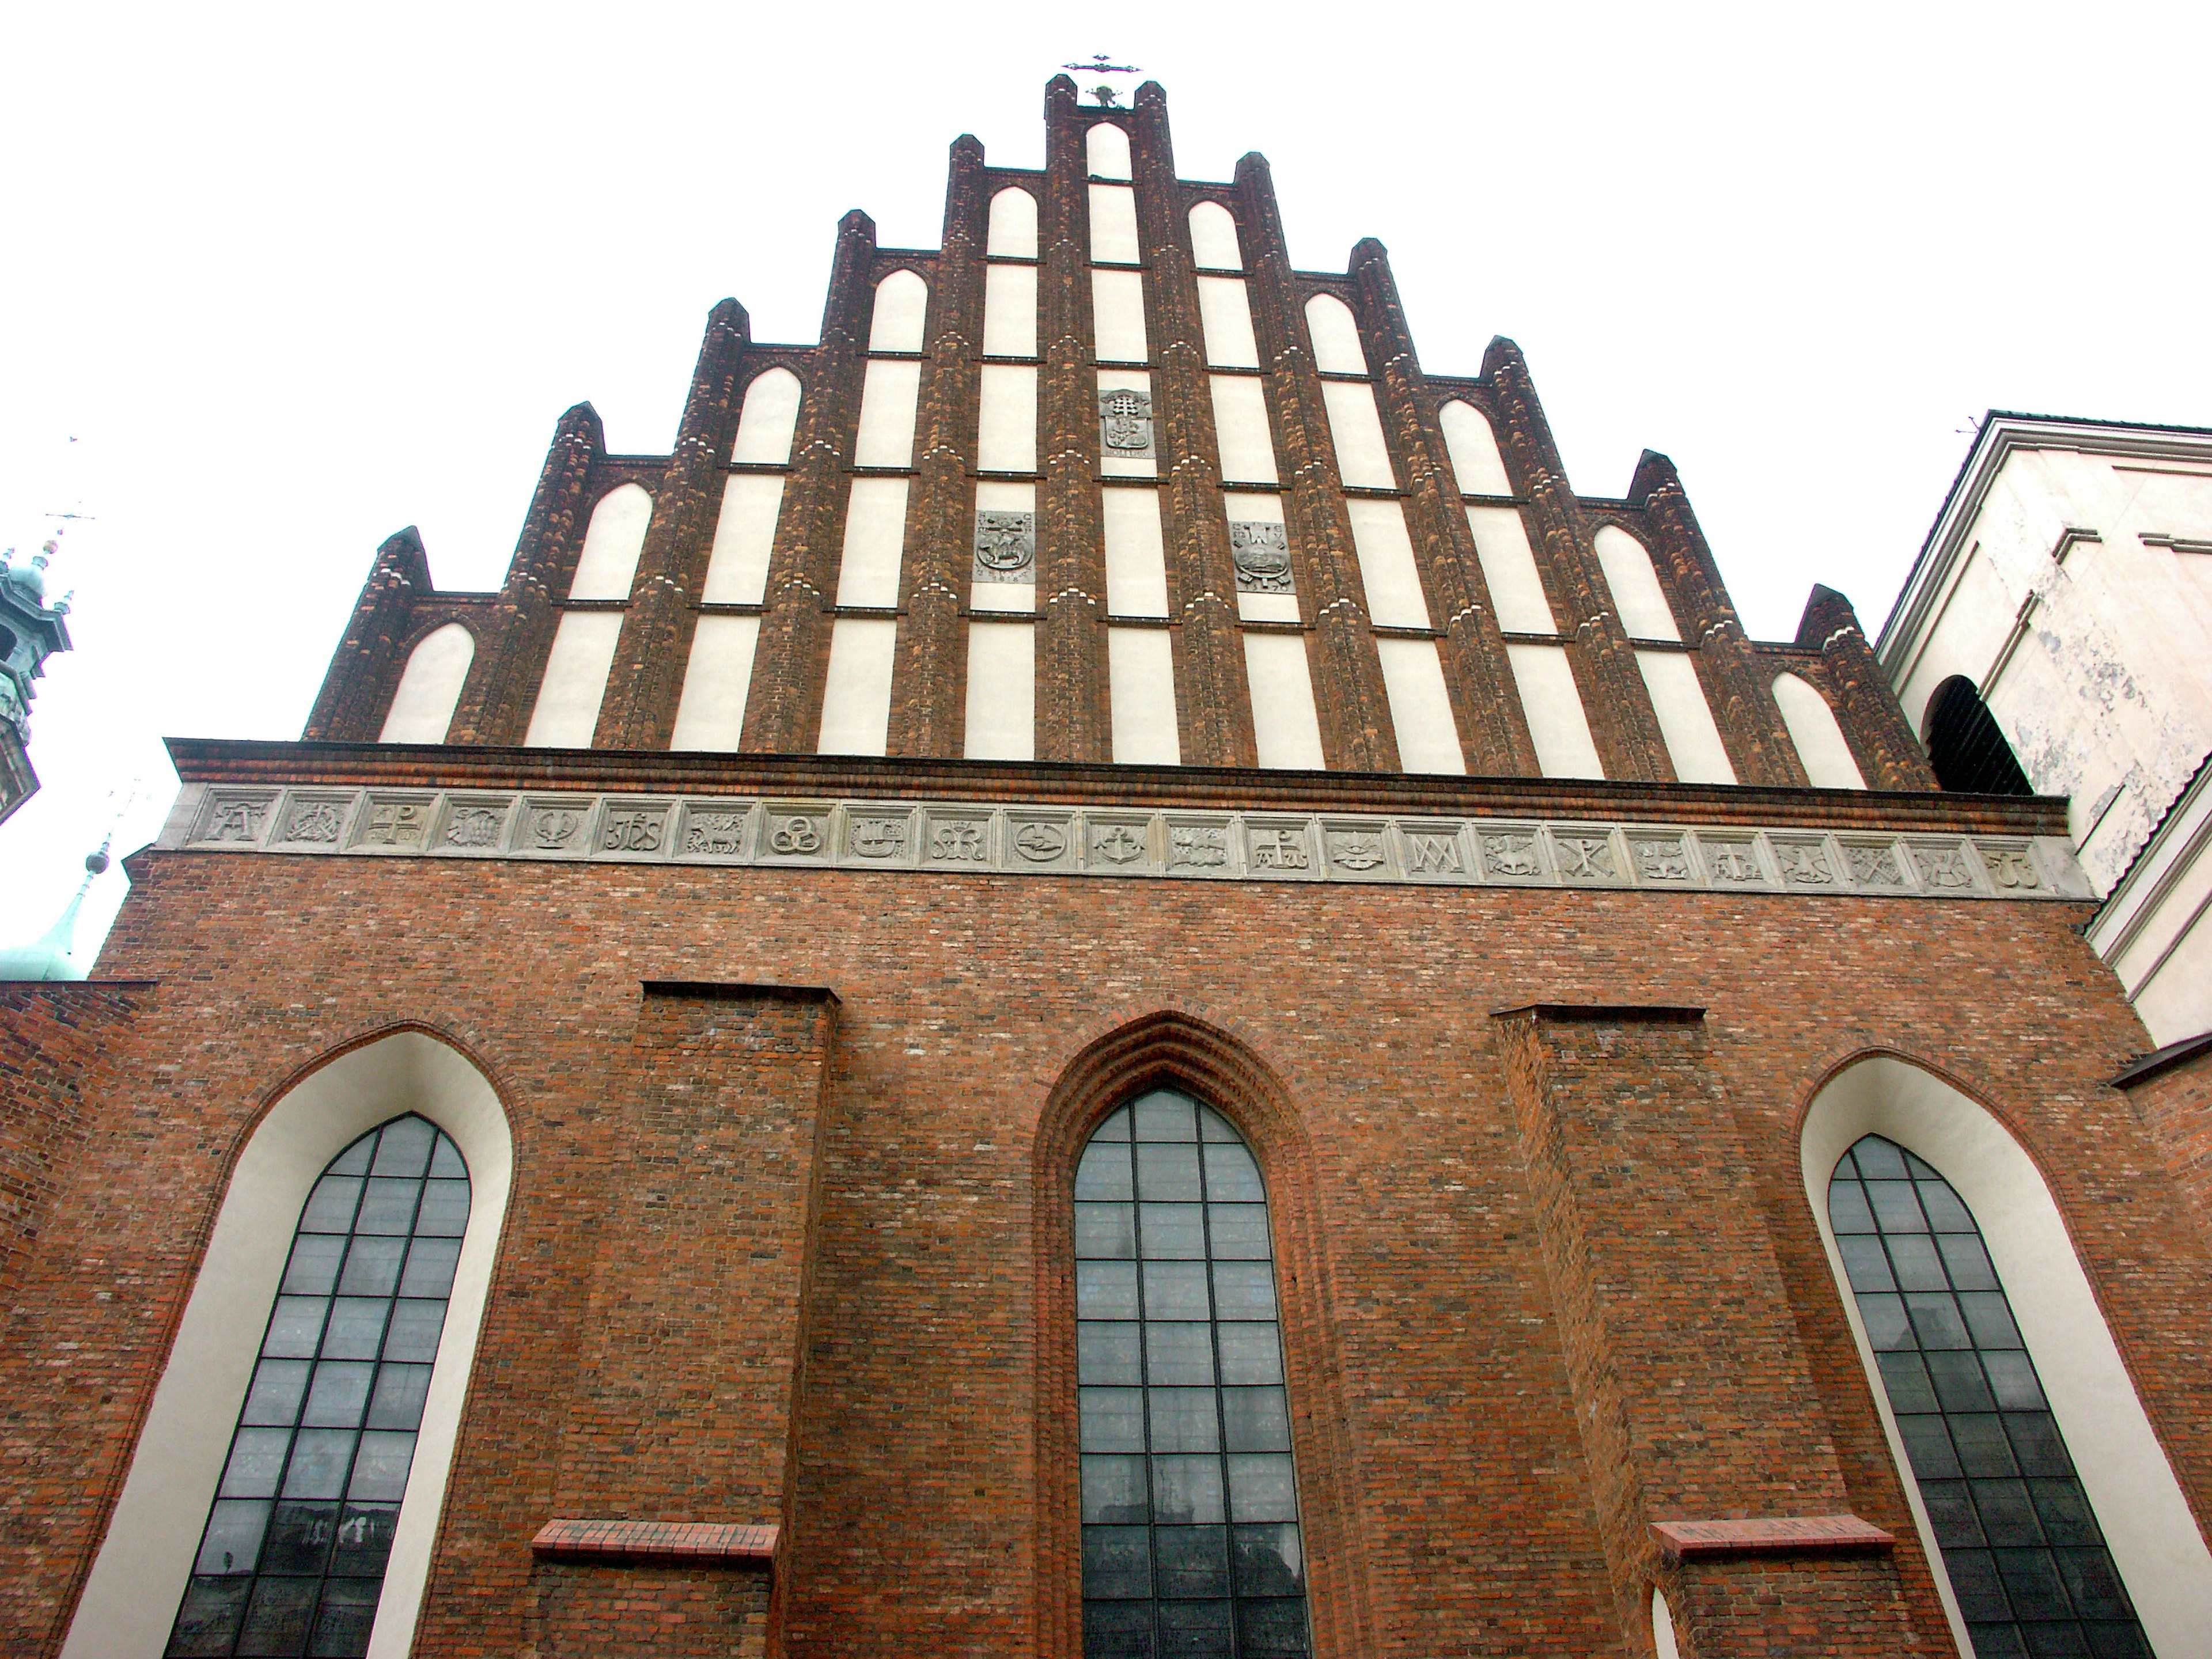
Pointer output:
358, 689
1881, 740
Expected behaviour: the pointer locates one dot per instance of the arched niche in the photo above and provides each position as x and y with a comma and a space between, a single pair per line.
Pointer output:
1335, 335
1966, 747
430, 686
612, 541
1821, 746
769, 419
902, 311
1013, 233
1213, 238
138, 1576
1637, 598
1662, 1627
1106, 151
1472, 446
2139, 1505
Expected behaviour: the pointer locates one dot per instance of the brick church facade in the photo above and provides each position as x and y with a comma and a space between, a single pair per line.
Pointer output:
1101, 975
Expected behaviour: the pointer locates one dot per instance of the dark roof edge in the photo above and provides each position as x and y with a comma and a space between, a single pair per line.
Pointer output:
2161, 1061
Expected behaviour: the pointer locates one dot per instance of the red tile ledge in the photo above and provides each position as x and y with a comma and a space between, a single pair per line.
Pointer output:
1816, 1533
703, 1543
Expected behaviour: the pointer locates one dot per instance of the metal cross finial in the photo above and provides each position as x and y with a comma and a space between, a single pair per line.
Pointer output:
1098, 65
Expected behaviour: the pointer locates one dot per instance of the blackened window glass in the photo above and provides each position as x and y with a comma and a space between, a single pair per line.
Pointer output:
1191, 1539
2026, 1559
292, 1561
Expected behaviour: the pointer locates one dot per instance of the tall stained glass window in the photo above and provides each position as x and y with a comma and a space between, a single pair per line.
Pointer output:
1191, 1542
292, 1561
2026, 1559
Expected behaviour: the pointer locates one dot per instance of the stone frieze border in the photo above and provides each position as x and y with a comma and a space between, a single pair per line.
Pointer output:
1115, 842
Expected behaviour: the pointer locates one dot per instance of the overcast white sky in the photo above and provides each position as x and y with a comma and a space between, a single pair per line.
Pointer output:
284, 279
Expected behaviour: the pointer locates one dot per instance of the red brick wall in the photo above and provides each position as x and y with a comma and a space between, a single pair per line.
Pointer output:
1456, 1502
2176, 1104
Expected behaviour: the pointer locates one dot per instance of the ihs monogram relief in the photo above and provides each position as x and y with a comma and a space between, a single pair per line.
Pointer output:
1504, 854
1662, 859
631, 829
1262, 555
1006, 547
715, 835
1125, 422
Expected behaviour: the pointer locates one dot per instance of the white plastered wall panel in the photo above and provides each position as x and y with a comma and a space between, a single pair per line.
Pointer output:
711, 715
1472, 446
1553, 707
429, 687
607, 564
1214, 244
744, 536
875, 536
1285, 725
1225, 312
1001, 691
856, 700
887, 400
1335, 335
1106, 151
1243, 508
1117, 315
1140, 681
1509, 570
1387, 568
1006, 436
769, 419
1114, 225
1363, 459
1010, 311
1136, 554
1420, 706
1013, 233
567, 712
1685, 720
1130, 466
1240, 424
1821, 742
139, 1577
900, 314
1637, 598
1003, 495
2155, 1545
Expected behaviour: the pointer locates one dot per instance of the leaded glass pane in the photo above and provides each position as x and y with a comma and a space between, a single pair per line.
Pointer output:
293, 1556
2018, 1542
1191, 1543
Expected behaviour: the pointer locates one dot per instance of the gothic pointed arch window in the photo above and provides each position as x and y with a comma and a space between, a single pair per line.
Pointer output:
1192, 1541
292, 1558
2027, 1560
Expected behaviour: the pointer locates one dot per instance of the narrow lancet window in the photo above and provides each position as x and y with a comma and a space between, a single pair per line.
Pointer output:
1191, 1540
2026, 1561
292, 1561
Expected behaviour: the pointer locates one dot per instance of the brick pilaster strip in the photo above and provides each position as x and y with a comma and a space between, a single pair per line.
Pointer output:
503, 683
1213, 704
1073, 722
646, 680
1740, 696
930, 673
783, 708
661, 1543
1494, 729
1615, 701
366, 668
1887, 752
1356, 733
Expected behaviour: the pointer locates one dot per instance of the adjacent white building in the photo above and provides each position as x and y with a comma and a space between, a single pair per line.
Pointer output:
2066, 589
